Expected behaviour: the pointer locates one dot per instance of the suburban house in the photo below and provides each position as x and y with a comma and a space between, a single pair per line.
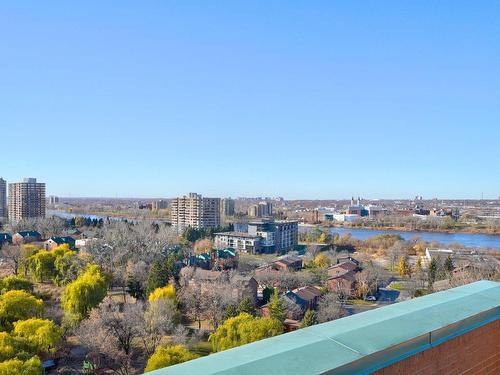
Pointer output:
24, 237
288, 263
342, 276
306, 297
245, 287
238, 286
341, 268
54, 242
5, 238
344, 283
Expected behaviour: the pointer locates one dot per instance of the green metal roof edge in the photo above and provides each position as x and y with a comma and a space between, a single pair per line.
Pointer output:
361, 343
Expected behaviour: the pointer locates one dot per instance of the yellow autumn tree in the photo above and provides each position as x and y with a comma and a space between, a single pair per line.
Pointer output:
165, 292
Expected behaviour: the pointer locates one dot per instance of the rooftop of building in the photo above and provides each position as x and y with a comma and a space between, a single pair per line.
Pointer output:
359, 343
237, 234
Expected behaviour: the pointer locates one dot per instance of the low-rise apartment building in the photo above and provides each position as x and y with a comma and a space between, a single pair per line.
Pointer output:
263, 236
240, 241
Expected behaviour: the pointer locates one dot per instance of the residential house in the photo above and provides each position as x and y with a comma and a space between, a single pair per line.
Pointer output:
288, 263
343, 283
306, 298
5, 238
244, 287
239, 286
54, 242
24, 237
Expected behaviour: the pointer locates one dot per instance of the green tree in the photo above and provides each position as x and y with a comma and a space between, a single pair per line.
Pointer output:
32, 366
277, 308
448, 264
246, 305
165, 356
85, 293
15, 283
266, 294
14, 347
67, 264
243, 329
158, 276
418, 265
18, 305
231, 311
41, 265
309, 319
432, 272
134, 288
42, 334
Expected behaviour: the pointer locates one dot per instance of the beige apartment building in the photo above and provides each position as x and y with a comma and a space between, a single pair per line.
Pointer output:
26, 199
3, 198
195, 211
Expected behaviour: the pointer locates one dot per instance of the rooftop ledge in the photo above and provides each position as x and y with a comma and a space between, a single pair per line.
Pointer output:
360, 343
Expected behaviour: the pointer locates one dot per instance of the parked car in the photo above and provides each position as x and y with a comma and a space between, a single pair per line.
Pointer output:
370, 298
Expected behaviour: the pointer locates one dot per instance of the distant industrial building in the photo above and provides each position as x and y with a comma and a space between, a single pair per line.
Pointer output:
227, 207
26, 199
159, 205
357, 208
195, 211
3, 198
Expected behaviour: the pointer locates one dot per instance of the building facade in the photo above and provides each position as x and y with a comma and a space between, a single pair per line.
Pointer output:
277, 236
263, 209
195, 211
26, 199
3, 198
53, 200
227, 206
240, 241
159, 205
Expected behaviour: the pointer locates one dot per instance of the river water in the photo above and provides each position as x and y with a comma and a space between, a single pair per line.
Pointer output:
467, 239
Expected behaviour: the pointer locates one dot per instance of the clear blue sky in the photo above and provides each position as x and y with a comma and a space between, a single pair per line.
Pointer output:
302, 99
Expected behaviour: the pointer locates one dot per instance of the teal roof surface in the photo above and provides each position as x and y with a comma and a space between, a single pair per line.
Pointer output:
358, 343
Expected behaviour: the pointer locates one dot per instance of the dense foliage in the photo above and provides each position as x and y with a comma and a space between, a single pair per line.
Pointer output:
85, 293
165, 356
243, 329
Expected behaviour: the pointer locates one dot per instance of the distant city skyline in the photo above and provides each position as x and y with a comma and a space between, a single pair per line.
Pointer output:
302, 100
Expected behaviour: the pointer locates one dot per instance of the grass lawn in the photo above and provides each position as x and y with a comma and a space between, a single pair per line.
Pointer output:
202, 348
360, 302
397, 286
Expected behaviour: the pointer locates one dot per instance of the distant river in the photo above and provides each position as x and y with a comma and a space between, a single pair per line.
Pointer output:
466, 239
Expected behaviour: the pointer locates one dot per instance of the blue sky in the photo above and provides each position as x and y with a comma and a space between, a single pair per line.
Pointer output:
302, 99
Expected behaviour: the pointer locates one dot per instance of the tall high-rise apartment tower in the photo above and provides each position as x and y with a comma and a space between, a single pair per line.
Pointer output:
3, 198
26, 199
195, 211
228, 207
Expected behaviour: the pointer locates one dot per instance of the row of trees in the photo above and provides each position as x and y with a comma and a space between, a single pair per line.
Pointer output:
24, 334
